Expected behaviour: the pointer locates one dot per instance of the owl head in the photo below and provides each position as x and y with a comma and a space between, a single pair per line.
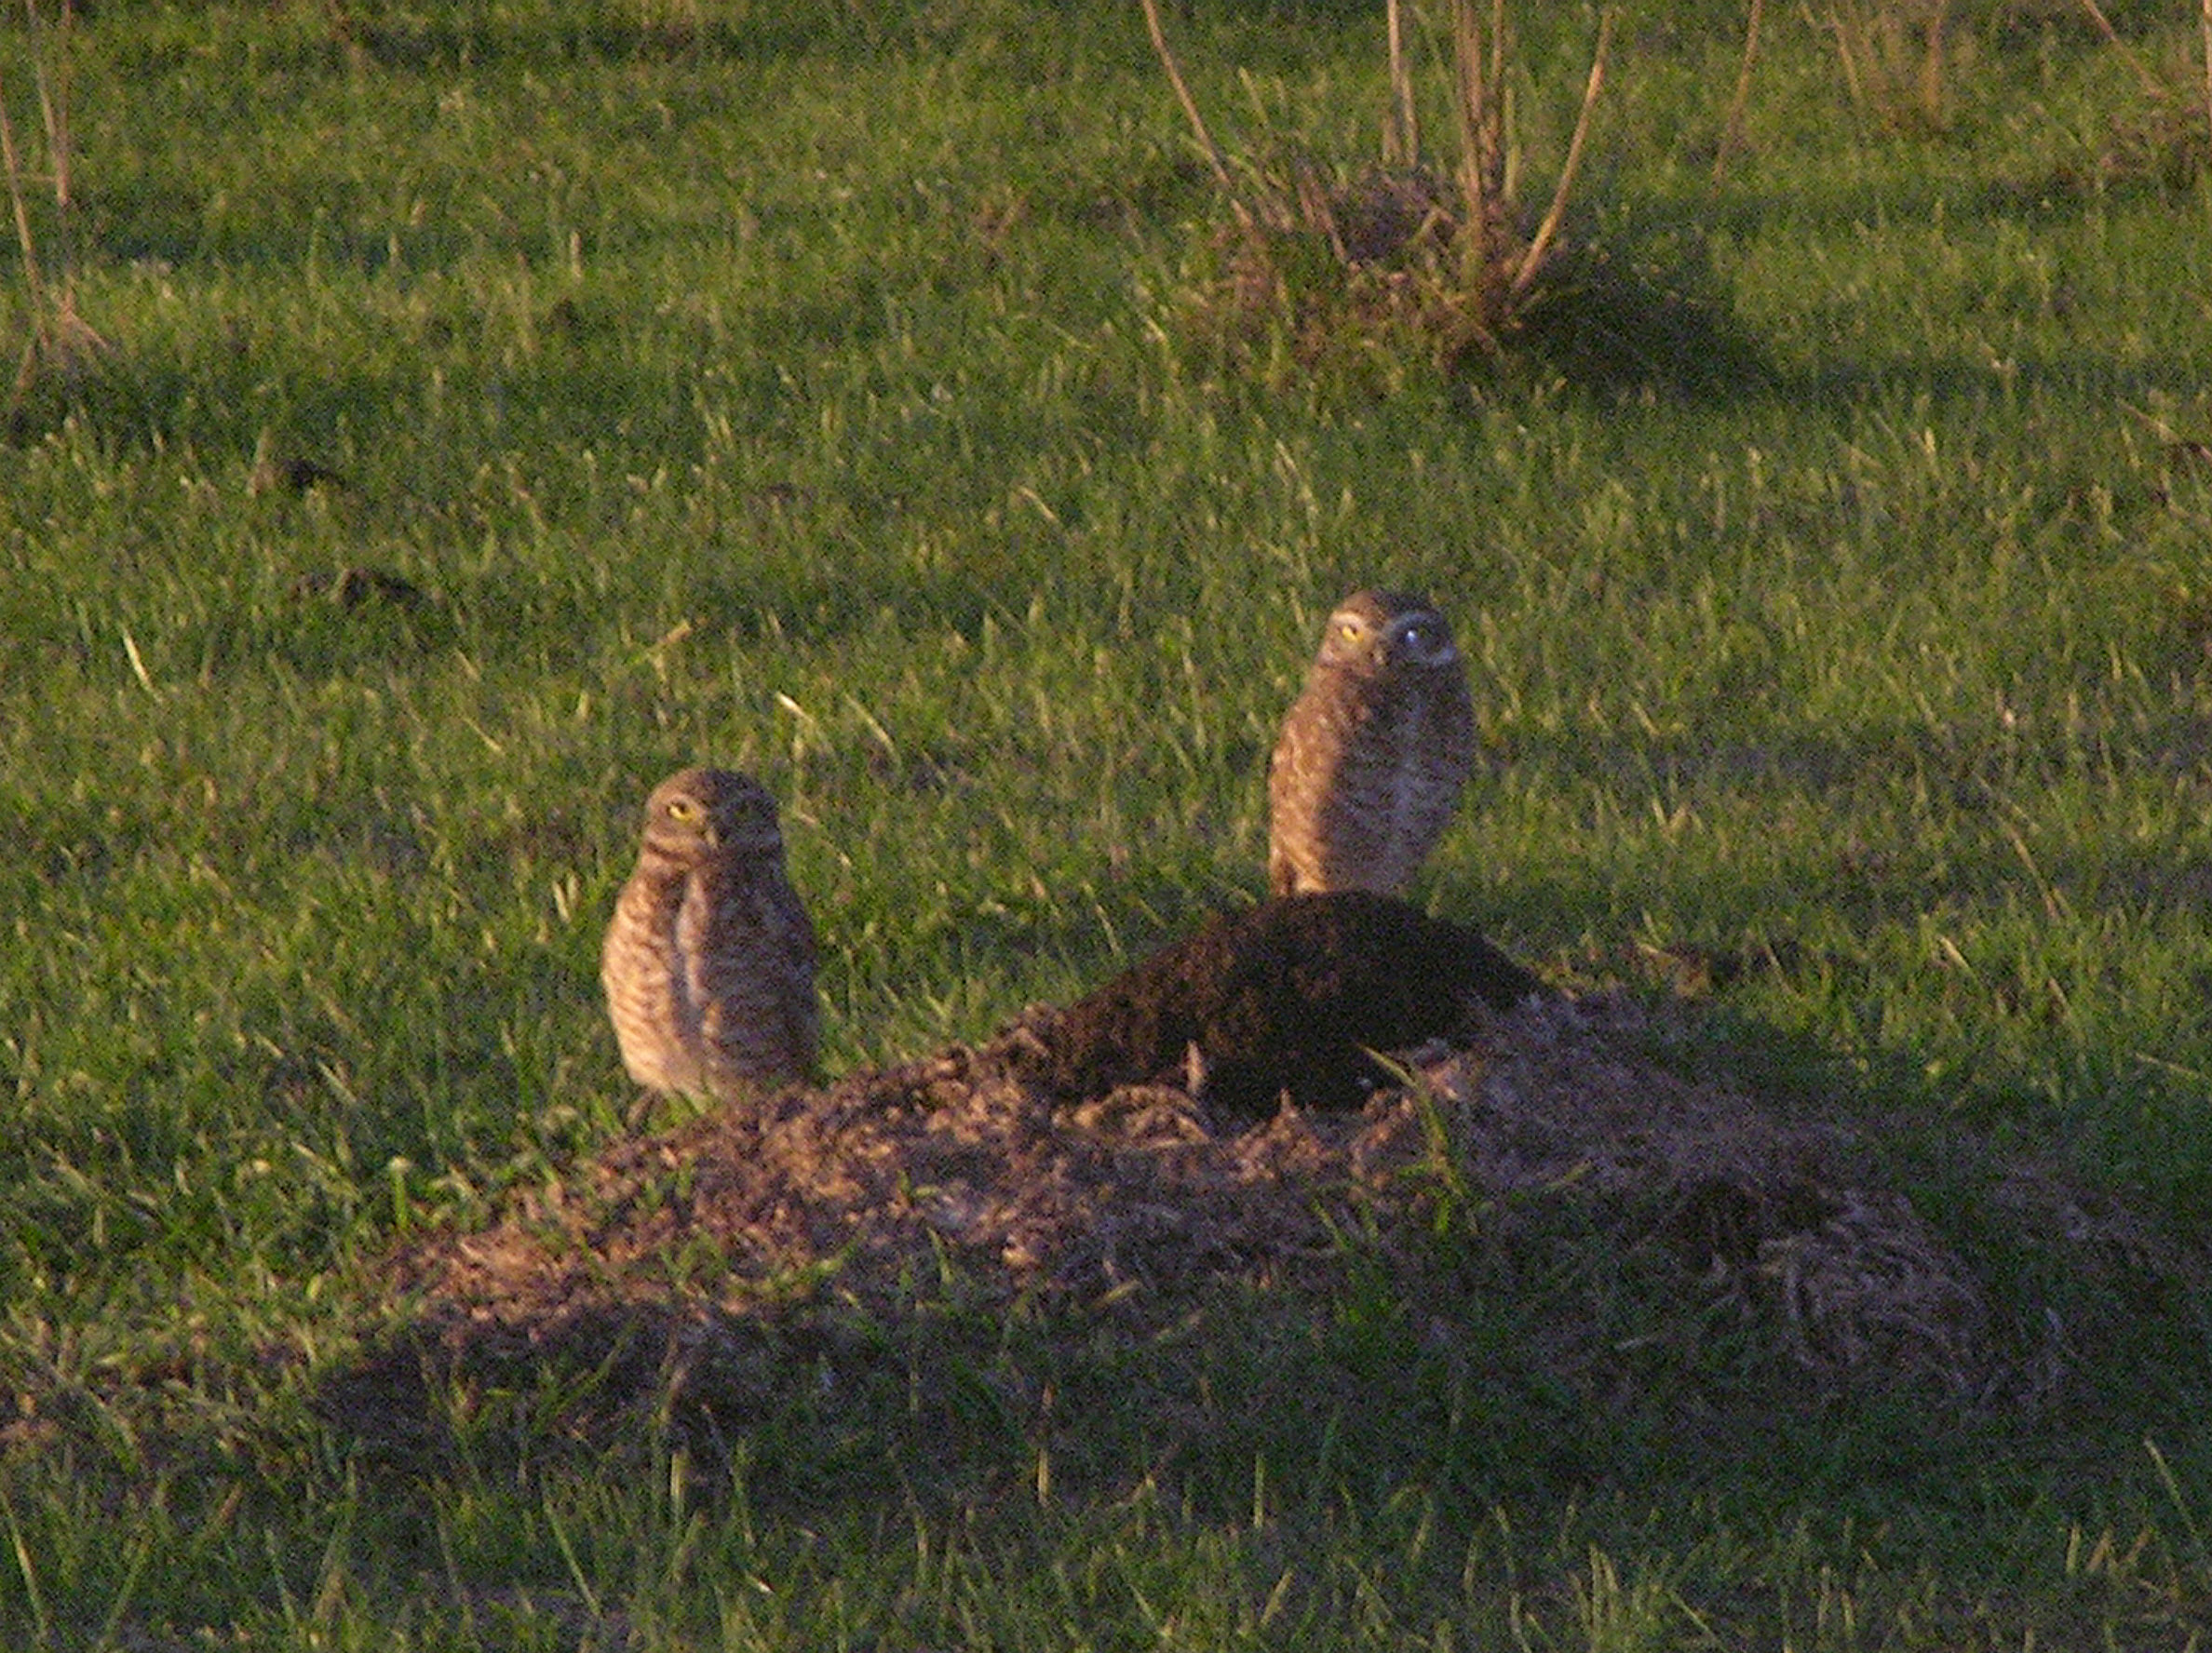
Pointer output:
1375, 632
697, 813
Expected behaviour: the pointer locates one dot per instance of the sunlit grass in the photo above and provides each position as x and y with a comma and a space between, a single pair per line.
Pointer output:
809, 393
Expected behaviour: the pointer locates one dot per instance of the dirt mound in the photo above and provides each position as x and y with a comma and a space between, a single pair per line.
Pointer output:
1286, 999
1056, 1156
1063, 1163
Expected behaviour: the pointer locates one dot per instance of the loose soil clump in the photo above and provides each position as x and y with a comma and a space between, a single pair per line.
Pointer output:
1289, 999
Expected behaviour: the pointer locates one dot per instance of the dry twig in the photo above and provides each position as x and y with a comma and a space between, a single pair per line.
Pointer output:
1732, 130
58, 335
1190, 109
1532, 260
2149, 81
1401, 132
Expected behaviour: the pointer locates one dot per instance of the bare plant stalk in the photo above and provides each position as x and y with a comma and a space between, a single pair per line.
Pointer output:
1931, 86
58, 336
12, 162
1472, 108
1732, 130
1532, 260
35, 344
2147, 80
1315, 211
1190, 109
1401, 138
53, 108
1849, 56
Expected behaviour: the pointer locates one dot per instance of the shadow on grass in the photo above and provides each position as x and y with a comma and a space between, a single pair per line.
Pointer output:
1623, 323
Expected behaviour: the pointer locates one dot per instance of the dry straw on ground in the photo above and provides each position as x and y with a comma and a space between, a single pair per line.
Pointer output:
675, 1266
1139, 1193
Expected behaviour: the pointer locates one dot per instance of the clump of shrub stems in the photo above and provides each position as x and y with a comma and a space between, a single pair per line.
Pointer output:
1448, 253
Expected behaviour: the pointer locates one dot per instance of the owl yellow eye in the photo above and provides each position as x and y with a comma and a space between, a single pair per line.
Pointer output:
682, 809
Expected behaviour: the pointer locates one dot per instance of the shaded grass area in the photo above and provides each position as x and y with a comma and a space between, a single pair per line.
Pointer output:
812, 393
1360, 1476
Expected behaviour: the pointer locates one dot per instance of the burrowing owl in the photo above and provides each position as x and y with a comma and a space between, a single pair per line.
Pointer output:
709, 964
1373, 754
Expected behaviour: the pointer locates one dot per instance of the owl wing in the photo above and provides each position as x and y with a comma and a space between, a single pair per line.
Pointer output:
1317, 838
1448, 746
1408, 773
1455, 716
1300, 774
648, 999
751, 973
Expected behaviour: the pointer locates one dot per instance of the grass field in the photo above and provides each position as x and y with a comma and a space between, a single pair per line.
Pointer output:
826, 390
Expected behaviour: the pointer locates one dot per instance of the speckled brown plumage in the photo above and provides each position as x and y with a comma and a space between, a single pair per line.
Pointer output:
708, 965
1374, 752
